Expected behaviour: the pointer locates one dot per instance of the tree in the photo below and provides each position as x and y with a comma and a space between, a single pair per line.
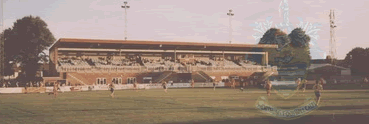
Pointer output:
27, 40
299, 38
8, 66
278, 37
293, 49
300, 42
275, 36
358, 59
330, 60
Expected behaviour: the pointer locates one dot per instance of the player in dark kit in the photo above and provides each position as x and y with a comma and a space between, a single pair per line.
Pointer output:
304, 85
164, 84
193, 83
268, 86
214, 84
317, 89
111, 87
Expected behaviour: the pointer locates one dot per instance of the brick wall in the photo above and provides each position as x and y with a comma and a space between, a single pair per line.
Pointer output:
90, 78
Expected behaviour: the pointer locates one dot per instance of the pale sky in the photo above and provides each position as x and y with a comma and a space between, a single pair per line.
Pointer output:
191, 20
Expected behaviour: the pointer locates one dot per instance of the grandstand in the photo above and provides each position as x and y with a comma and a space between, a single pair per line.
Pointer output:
96, 62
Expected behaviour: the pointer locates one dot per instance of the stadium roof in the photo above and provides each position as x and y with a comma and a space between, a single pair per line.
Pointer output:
88, 43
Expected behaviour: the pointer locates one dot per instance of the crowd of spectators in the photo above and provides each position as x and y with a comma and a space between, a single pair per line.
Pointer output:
149, 61
158, 61
99, 61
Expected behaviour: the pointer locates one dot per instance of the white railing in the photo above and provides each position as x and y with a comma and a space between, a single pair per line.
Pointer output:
105, 87
164, 68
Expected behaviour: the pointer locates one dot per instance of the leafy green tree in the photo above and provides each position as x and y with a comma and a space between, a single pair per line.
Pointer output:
275, 36
300, 42
358, 59
278, 37
8, 67
293, 49
25, 43
299, 38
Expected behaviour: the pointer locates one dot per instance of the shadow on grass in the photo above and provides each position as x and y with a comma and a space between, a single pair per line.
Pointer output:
309, 119
217, 109
346, 107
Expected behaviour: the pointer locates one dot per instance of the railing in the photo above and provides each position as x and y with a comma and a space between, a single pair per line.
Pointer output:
164, 68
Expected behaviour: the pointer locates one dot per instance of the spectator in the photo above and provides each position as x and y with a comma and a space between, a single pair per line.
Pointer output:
17, 84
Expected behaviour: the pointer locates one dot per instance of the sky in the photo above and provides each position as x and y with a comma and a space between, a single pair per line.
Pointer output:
191, 20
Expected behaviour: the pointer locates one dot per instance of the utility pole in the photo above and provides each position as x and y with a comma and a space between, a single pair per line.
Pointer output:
230, 14
125, 18
332, 41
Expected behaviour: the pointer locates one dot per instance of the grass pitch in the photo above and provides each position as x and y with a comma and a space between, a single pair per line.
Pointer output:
198, 105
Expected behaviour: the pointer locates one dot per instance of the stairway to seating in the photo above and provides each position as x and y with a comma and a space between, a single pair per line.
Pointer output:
205, 76
163, 76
